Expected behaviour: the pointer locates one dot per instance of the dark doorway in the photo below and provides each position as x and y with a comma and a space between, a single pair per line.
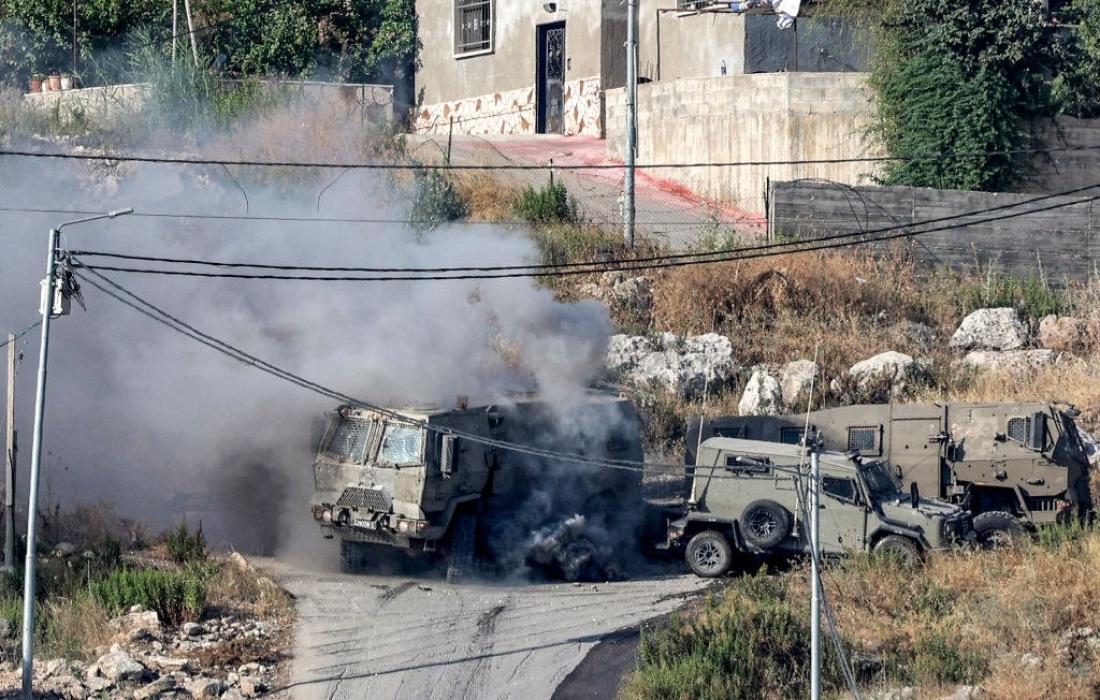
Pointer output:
550, 80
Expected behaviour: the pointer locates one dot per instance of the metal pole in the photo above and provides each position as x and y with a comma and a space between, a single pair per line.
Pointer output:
175, 28
815, 574
36, 464
631, 117
191, 31
74, 42
9, 464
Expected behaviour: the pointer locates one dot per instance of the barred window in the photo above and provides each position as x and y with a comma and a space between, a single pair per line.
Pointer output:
844, 489
1019, 429
790, 436
348, 439
400, 444
864, 439
473, 26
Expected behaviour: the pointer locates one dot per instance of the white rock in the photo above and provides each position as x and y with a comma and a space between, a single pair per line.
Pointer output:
117, 665
155, 689
762, 396
795, 381
192, 629
895, 368
990, 329
252, 687
205, 687
685, 366
1017, 362
1063, 333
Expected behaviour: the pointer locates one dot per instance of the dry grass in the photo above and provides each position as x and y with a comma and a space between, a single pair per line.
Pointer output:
76, 628
967, 618
238, 586
488, 198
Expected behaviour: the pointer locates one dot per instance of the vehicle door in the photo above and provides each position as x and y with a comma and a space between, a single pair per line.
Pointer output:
842, 512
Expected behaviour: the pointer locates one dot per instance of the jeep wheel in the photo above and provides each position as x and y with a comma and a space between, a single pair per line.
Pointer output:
709, 554
353, 556
765, 524
906, 551
997, 529
460, 549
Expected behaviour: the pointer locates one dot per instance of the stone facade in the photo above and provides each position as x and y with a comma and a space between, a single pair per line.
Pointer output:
512, 112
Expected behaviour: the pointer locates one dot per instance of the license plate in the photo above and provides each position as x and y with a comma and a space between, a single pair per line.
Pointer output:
365, 524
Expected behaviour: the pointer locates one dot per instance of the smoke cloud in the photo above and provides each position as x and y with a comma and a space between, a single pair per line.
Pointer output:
167, 429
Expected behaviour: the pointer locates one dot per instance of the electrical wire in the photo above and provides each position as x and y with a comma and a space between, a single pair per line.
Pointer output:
20, 334
663, 262
131, 158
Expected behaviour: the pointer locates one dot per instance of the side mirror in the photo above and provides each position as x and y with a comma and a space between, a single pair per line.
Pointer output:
914, 494
447, 456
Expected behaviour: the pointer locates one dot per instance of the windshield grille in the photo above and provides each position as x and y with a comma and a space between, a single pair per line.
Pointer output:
1019, 429
400, 444
349, 439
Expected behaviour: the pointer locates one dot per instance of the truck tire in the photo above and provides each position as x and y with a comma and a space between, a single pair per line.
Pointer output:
905, 550
353, 556
997, 529
460, 550
765, 524
709, 554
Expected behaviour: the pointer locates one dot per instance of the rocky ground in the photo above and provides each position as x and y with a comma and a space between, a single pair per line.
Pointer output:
233, 655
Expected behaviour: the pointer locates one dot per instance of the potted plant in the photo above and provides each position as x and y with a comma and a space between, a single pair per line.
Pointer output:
55, 80
36, 82
66, 81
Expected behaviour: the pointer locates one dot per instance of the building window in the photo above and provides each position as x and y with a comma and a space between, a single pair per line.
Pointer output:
790, 436
473, 26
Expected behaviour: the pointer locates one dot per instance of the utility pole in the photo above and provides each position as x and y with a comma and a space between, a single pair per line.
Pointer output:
74, 44
175, 28
631, 117
191, 31
815, 570
52, 306
9, 463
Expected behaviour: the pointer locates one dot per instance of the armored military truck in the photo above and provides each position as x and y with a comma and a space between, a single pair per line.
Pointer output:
748, 496
1012, 465
399, 481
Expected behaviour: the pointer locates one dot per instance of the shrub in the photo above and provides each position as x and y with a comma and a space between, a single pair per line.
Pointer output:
548, 205
177, 596
435, 200
184, 546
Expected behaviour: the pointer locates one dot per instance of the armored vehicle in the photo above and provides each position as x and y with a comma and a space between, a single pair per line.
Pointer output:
749, 496
399, 480
1010, 464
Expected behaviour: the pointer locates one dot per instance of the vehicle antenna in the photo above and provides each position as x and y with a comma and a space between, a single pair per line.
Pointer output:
699, 437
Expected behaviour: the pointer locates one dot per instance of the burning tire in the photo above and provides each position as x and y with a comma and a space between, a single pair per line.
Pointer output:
709, 554
997, 529
765, 524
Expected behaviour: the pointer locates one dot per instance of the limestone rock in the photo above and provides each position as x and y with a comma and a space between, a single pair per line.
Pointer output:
252, 687
626, 296
1015, 362
685, 366
895, 369
203, 687
1064, 333
990, 329
117, 665
192, 629
795, 380
762, 397
155, 689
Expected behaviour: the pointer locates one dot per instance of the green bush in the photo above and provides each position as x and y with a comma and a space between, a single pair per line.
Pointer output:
548, 205
185, 546
1031, 296
938, 658
435, 200
177, 596
754, 644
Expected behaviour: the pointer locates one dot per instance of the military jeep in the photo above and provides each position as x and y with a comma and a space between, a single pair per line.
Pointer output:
749, 497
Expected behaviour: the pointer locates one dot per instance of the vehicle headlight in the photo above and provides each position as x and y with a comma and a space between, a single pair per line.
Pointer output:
403, 526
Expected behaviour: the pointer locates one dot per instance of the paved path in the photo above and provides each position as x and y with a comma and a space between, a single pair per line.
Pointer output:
666, 211
383, 636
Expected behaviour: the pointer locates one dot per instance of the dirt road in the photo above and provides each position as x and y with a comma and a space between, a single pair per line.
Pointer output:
418, 637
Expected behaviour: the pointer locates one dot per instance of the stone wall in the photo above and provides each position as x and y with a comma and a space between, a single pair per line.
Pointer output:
513, 112
737, 118
1059, 245
100, 105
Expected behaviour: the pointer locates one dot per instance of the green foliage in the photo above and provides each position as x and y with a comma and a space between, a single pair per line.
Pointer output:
937, 658
1031, 296
549, 204
1076, 88
754, 644
177, 596
960, 78
435, 200
184, 546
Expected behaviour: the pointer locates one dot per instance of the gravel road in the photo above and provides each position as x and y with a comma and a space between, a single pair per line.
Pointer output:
395, 636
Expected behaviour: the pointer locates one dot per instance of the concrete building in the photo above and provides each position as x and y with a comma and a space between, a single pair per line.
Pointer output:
508, 67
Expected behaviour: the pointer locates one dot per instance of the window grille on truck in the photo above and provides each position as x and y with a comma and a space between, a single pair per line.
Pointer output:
863, 439
1019, 429
349, 439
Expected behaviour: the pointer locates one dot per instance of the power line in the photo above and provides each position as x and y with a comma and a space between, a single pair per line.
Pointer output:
512, 166
604, 263
773, 250
20, 334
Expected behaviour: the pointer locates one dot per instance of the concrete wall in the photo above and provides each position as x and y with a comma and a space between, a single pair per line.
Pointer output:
98, 104
1067, 169
691, 46
737, 118
1060, 244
